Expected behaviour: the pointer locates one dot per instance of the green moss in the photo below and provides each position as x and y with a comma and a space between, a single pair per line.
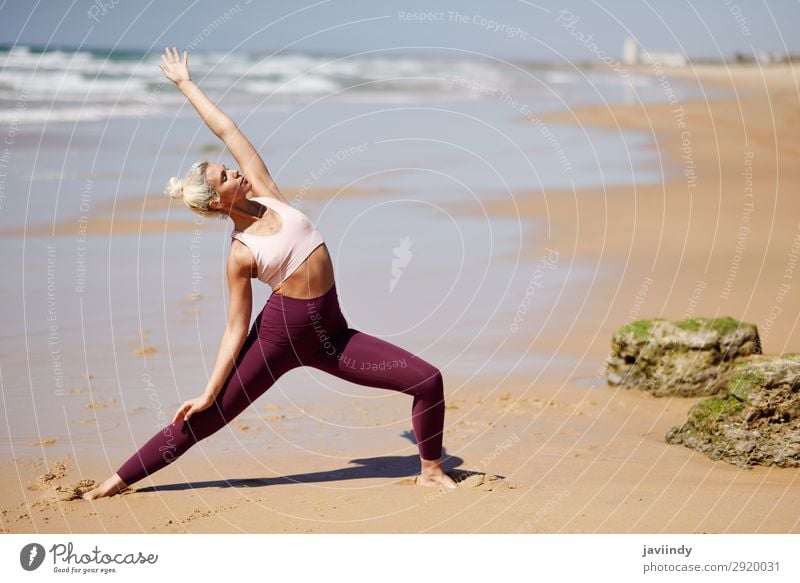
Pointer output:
640, 328
744, 381
692, 324
722, 326
710, 411
727, 325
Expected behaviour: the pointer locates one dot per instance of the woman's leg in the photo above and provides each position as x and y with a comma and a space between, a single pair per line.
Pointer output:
367, 360
259, 364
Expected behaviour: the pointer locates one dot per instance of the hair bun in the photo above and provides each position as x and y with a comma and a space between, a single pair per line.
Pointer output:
175, 188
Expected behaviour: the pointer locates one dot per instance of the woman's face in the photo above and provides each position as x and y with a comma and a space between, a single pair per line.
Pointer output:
231, 186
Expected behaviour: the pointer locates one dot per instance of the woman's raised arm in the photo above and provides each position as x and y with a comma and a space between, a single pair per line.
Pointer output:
176, 69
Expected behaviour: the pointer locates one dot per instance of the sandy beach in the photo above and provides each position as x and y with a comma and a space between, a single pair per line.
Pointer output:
548, 453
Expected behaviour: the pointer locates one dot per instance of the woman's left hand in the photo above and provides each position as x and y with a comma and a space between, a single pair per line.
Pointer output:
193, 406
174, 67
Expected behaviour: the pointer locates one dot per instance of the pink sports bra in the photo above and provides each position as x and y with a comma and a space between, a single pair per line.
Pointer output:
280, 254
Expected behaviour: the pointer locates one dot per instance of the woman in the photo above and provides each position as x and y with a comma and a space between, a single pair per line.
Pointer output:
301, 323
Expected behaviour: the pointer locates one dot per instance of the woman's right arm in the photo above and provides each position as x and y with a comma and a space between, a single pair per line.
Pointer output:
232, 340
241, 303
176, 69
252, 166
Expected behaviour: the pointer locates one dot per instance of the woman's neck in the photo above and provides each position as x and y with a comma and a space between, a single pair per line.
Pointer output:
246, 213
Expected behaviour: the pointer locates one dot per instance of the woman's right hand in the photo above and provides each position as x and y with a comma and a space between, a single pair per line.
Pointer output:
193, 406
174, 67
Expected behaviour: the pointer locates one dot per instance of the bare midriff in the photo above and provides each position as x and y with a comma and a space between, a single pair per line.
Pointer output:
312, 279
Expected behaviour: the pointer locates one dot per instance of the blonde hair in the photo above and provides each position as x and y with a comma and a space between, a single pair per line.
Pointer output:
194, 190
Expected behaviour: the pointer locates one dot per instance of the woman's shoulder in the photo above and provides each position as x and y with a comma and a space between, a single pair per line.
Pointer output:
242, 256
270, 194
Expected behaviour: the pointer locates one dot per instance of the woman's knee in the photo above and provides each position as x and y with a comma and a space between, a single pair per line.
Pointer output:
432, 383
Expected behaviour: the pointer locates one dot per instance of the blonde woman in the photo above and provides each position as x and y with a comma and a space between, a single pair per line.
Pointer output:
301, 323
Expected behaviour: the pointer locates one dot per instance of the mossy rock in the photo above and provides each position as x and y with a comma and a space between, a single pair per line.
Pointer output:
744, 380
689, 358
640, 329
757, 421
722, 326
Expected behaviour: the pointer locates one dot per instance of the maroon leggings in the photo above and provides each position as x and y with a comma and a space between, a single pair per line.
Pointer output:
292, 332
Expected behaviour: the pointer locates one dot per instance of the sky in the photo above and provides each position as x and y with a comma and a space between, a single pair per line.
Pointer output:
514, 29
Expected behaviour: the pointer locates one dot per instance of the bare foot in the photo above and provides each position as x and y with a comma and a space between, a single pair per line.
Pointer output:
113, 485
436, 480
433, 475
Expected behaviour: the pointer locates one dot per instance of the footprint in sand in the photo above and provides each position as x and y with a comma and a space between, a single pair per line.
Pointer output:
199, 513
470, 480
53, 490
64, 493
43, 481
480, 481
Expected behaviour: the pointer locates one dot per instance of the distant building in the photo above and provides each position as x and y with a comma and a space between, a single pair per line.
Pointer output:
630, 52
633, 55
